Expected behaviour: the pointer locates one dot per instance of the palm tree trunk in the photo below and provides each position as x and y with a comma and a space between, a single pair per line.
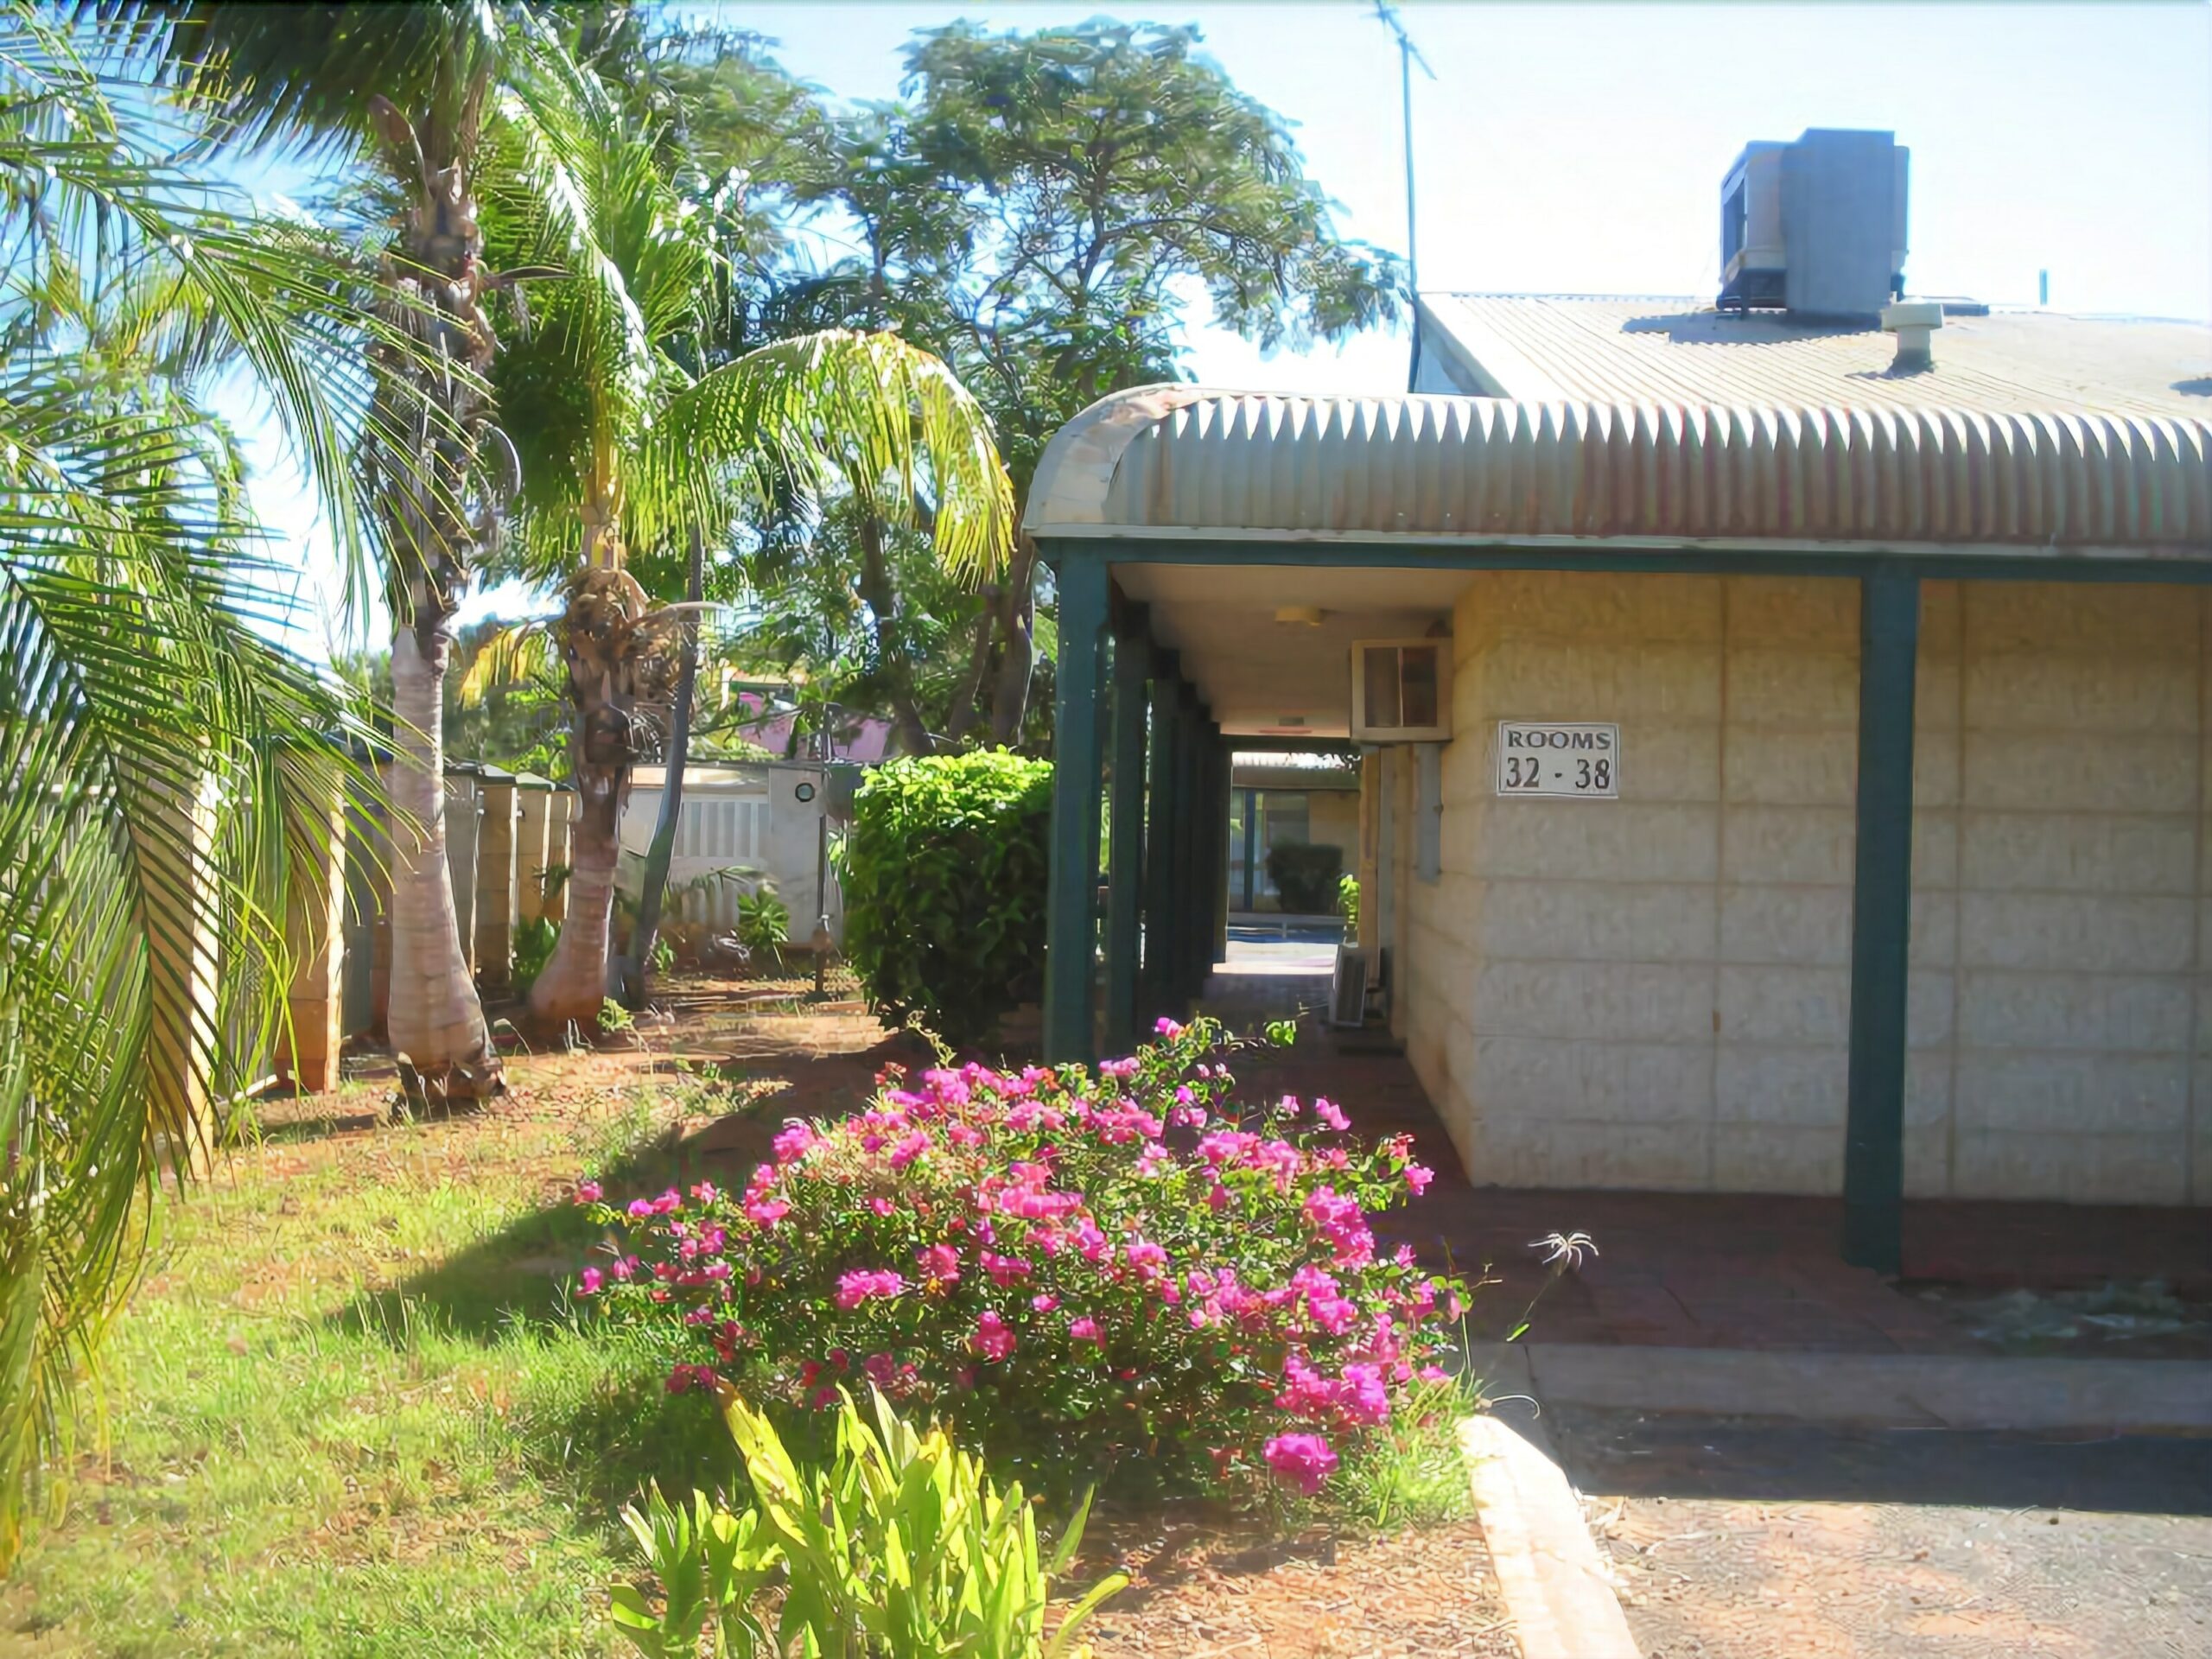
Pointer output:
638, 968
573, 987
602, 641
436, 1019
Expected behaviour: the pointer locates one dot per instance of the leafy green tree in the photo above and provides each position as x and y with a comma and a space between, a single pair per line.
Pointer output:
150, 731
1036, 213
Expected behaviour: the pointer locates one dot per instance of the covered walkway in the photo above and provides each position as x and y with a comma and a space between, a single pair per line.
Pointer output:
1216, 554
1712, 1270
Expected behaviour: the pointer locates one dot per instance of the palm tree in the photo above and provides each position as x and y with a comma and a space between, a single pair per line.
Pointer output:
624, 446
151, 730
452, 92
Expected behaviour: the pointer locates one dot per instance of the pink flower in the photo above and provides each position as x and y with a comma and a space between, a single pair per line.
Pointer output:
1304, 1461
1418, 1177
704, 1192
1086, 1330
588, 1191
880, 1369
1147, 1257
1043, 1302
940, 1265
1328, 1113
993, 1340
794, 1142
593, 1278
766, 1212
883, 1206
912, 1146
640, 1209
684, 1378
862, 1285
1168, 1028
1434, 1374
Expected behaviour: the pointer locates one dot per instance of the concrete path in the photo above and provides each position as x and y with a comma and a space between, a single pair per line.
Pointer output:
2096, 1396
1746, 1540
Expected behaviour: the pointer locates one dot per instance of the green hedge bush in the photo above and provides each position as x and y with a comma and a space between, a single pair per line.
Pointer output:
944, 873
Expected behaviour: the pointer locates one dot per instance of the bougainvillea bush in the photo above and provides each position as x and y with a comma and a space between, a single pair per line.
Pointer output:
1080, 1269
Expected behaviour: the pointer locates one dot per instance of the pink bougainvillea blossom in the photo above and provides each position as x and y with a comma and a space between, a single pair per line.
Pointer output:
863, 1285
993, 1339
1305, 1461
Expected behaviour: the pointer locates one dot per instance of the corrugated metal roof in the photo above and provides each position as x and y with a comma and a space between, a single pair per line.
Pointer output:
1183, 460
1549, 348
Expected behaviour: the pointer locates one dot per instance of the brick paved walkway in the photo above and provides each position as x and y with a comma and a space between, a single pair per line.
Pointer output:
1718, 1270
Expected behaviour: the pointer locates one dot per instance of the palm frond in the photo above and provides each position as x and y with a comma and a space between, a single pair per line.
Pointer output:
868, 413
154, 741
511, 657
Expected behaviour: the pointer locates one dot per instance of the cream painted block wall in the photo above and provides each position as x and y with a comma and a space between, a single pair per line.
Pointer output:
1654, 992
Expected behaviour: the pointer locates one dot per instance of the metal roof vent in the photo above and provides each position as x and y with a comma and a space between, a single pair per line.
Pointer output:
1914, 322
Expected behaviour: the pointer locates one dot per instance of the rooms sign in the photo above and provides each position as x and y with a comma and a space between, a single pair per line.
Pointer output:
1541, 758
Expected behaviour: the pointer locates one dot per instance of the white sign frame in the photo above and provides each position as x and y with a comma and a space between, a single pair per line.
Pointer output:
1574, 760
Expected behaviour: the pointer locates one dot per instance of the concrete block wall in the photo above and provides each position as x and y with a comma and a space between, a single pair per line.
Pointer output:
1654, 991
2077, 1051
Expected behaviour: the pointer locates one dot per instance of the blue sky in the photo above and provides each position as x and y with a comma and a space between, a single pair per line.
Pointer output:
1578, 149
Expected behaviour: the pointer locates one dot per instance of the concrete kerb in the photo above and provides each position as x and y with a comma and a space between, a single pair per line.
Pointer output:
1554, 1584
2136, 1396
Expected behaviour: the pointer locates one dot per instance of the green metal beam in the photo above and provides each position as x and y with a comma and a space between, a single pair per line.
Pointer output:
1125, 848
1159, 839
1678, 559
1181, 905
1071, 919
1881, 925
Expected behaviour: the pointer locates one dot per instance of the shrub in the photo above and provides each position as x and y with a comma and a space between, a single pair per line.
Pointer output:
1076, 1269
1305, 876
944, 877
764, 921
533, 948
1348, 903
902, 1547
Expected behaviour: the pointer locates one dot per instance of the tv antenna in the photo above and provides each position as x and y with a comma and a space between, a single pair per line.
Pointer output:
1409, 55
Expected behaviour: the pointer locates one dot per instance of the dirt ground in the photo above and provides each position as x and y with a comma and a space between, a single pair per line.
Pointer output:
1747, 1539
1210, 1592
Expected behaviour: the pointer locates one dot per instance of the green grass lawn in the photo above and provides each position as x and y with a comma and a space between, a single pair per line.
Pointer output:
350, 1413
350, 1410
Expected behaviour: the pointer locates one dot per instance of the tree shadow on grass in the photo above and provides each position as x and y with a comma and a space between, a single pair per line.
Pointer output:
600, 1420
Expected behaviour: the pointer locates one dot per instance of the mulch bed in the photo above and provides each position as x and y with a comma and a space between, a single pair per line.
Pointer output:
1206, 1588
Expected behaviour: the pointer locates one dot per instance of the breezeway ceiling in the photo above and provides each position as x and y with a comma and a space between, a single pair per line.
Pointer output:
1260, 677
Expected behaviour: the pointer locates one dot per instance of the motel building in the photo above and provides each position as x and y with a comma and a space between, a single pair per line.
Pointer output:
1783, 729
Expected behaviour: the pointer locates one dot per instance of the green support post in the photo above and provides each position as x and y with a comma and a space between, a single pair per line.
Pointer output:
1125, 838
1182, 899
1881, 923
1198, 963
1159, 839
1226, 793
1070, 916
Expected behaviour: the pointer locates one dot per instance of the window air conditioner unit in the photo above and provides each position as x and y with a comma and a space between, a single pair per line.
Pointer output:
1401, 690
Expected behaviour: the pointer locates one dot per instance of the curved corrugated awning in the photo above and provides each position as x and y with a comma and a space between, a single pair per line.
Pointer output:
1176, 460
